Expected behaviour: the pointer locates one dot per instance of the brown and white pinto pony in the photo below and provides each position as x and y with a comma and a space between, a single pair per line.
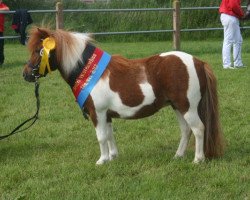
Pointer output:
133, 89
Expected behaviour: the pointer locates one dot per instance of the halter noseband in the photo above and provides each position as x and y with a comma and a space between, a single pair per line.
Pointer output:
35, 69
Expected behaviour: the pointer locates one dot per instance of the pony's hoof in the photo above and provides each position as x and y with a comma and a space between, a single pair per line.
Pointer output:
177, 156
113, 156
101, 161
198, 161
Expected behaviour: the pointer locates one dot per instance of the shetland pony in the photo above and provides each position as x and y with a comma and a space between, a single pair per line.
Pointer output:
137, 88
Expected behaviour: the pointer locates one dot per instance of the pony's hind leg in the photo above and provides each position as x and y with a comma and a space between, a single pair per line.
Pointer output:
197, 128
185, 135
113, 152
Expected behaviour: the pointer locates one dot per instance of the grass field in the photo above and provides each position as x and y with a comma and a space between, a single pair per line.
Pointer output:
55, 159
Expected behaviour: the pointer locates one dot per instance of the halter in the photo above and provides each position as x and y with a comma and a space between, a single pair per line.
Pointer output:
35, 69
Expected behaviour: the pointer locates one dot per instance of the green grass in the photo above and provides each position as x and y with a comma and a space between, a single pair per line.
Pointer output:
55, 159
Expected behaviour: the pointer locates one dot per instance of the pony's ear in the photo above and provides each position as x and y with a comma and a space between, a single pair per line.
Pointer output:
44, 33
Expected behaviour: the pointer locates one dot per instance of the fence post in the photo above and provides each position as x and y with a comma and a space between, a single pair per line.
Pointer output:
176, 25
59, 15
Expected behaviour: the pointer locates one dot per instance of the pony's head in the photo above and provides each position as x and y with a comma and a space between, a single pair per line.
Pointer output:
39, 57
51, 50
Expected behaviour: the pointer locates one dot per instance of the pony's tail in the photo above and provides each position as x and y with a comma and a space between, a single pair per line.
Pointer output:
208, 111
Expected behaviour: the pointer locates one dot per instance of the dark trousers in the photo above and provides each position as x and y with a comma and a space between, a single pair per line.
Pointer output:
1, 48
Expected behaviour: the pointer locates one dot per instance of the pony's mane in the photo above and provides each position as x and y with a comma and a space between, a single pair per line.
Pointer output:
69, 45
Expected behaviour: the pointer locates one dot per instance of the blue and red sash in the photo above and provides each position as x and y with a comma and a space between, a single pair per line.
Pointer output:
84, 78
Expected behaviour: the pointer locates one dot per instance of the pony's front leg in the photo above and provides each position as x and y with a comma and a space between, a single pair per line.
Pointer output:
102, 136
113, 152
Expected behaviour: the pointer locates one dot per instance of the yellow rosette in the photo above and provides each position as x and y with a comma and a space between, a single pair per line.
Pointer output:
48, 44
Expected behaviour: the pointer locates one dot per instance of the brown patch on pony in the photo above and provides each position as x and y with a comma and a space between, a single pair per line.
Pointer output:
147, 110
89, 108
208, 110
124, 78
112, 114
199, 67
162, 73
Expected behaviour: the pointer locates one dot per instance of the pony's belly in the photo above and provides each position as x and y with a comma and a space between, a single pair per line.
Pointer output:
145, 111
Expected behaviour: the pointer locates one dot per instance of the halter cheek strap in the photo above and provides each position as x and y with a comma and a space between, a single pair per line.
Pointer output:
48, 45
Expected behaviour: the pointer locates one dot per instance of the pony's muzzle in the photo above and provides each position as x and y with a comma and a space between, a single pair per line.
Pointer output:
28, 75
28, 78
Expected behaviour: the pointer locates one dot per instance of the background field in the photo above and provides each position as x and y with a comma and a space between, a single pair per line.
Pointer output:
55, 159
127, 21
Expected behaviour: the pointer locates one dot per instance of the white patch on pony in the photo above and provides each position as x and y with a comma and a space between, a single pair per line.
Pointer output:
104, 98
73, 54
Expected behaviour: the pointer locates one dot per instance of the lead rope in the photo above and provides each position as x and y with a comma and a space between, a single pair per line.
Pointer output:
34, 118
